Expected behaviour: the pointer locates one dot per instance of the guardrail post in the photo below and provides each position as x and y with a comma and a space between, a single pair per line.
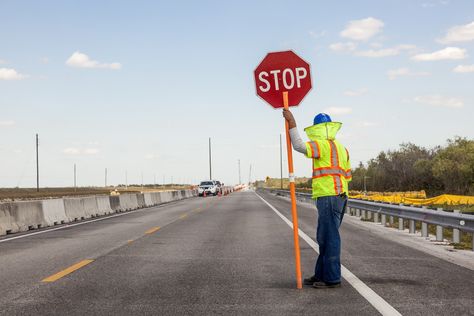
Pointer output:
384, 220
424, 227
364, 212
357, 212
412, 226
391, 220
376, 217
401, 224
456, 232
439, 229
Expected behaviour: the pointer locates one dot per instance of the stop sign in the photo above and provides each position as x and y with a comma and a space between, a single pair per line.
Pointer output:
279, 72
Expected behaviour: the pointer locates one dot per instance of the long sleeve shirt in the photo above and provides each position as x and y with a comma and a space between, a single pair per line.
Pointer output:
296, 141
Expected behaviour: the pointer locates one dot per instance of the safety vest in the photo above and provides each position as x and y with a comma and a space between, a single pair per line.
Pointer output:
331, 165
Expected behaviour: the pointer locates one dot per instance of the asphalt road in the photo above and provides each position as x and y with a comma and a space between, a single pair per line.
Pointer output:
216, 256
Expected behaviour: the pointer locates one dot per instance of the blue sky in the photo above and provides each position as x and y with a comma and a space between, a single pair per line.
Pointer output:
139, 86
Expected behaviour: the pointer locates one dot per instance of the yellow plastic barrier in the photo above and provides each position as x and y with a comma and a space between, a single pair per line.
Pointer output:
445, 199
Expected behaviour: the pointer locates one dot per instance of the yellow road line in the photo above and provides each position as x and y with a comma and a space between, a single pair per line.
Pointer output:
184, 216
152, 230
130, 241
67, 271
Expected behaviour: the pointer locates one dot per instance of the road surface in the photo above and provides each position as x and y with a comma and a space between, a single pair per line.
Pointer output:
228, 255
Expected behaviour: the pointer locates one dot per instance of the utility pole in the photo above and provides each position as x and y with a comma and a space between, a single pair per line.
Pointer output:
210, 160
37, 166
75, 183
142, 180
126, 179
154, 181
240, 180
105, 177
281, 166
250, 175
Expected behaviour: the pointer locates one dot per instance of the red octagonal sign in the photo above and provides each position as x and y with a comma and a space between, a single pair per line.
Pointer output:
279, 72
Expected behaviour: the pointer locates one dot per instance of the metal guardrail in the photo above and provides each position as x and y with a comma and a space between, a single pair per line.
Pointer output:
378, 212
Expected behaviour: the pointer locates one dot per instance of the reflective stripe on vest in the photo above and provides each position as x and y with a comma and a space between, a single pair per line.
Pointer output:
335, 163
330, 171
314, 149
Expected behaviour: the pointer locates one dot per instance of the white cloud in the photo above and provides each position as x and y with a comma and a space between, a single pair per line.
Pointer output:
355, 93
384, 52
7, 123
72, 151
91, 151
3, 61
316, 35
350, 47
438, 100
460, 33
394, 73
11, 74
464, 68
81, 60
343, 47
378, 53
79, 151
434, 4
448, 53
362, 30
338, 110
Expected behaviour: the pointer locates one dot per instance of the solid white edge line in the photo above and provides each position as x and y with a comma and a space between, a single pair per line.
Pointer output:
373, 298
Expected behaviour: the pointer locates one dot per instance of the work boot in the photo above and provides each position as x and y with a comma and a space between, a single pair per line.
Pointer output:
325, 285
310, 281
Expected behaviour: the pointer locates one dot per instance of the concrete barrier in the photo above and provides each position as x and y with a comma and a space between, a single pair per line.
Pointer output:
156, 196
128, 202
114, 201
165, 196
54, 212
81, 208
141, 200
26, 215
149, 199
21, 216
103, 204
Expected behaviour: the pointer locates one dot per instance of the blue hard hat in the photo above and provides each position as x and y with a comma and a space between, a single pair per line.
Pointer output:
321, 118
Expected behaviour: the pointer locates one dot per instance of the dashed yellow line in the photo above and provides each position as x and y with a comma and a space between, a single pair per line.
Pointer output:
130, 241
67, 271
152, 230
184, 216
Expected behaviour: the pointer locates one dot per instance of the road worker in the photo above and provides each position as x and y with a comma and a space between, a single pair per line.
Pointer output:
331, 175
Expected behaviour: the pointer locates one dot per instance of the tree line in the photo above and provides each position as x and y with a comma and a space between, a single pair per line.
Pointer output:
443, 169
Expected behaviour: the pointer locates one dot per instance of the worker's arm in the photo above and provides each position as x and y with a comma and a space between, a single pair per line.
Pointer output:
296, 141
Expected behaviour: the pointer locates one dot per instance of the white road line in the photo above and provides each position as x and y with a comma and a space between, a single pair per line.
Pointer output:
373, 298
86, 222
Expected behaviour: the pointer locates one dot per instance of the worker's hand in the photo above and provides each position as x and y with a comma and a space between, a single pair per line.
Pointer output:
289, 117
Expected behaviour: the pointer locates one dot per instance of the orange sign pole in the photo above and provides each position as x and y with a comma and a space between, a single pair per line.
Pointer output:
294, 213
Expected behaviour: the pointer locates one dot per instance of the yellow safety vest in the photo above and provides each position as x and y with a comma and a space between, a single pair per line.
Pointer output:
331, 165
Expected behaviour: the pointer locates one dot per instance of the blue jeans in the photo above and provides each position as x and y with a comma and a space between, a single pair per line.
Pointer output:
330, 213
